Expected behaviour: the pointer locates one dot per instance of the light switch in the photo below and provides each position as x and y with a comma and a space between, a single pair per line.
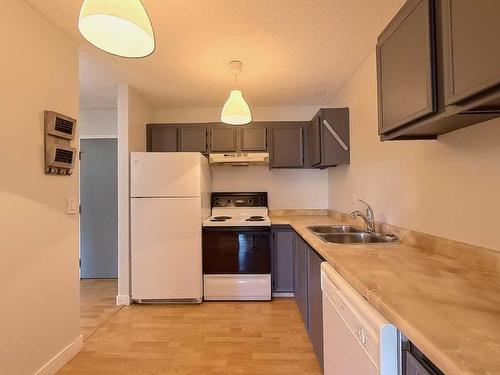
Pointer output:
72, 208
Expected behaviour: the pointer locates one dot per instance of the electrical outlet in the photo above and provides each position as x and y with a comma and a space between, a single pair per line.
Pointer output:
354, 199
316, 197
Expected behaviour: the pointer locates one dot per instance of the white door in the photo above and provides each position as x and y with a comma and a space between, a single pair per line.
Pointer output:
165, 174
166, 248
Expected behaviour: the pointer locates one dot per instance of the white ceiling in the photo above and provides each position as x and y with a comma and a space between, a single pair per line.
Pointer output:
294, 52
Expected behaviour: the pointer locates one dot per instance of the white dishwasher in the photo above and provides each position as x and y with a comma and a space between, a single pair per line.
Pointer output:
357, 339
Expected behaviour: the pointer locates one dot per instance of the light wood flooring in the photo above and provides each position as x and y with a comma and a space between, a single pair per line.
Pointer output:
211, 338
97, 304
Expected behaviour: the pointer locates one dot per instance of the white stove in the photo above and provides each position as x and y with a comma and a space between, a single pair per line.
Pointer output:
236, 248
238, 217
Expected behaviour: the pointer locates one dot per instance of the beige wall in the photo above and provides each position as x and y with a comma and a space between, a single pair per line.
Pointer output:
449, 187
300, 113
140, 113
133, 114
39, 315
287, 188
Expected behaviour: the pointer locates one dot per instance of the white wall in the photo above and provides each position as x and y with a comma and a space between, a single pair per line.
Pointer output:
98, 123
39, 316
447, 187
287, 188
134, 113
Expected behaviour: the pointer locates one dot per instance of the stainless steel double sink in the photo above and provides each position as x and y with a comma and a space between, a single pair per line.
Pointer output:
346, 234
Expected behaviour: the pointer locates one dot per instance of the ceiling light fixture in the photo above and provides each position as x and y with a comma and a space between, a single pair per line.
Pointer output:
236, 110
119, 27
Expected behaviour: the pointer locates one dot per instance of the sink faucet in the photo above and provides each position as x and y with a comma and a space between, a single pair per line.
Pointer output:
369, 217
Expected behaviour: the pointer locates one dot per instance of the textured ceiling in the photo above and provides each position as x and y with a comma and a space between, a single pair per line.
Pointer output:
294, 52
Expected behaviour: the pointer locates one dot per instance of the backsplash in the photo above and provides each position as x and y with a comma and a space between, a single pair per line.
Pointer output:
286, 188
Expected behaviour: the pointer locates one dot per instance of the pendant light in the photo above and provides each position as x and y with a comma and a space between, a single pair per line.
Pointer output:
236, 110
119, 27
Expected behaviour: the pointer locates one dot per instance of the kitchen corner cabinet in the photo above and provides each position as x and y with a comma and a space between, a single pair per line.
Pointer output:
223, 138
287, 145
253, 138
282, 257
315, 303
437, 68
193, 139
161, 138
329, 138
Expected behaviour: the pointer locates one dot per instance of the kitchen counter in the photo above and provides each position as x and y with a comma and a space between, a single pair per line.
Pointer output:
447, 307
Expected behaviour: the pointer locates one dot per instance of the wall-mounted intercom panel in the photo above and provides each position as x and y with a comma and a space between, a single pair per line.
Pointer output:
60, 156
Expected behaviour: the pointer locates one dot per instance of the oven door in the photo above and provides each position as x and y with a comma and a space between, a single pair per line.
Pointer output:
237, 250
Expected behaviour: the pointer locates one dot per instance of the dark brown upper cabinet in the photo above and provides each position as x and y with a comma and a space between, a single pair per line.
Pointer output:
193, 138
253, 138
437, 68
223, 138
315, 140
471, 32
161, 138
329, 139
287, 145
405, 61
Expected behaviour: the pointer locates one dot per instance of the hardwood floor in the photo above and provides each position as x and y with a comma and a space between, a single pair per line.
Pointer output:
211, 338
97, 304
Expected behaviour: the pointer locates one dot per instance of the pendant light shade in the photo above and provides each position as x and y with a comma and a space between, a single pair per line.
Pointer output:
236, 110
120, 27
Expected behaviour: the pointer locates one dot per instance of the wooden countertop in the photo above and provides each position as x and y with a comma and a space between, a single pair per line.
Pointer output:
449, 308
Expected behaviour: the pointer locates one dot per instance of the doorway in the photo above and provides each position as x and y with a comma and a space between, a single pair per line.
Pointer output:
99, 208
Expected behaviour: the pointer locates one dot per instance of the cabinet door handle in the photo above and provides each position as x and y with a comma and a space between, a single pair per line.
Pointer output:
335, 135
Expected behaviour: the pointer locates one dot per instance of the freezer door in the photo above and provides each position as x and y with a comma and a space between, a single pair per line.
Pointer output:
166, 248
165, 174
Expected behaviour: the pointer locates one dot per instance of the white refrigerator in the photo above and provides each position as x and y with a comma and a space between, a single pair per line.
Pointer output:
170, 196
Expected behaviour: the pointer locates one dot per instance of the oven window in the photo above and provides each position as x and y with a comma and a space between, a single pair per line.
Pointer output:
230, 252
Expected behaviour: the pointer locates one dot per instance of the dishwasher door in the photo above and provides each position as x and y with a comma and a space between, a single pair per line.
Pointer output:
357, 338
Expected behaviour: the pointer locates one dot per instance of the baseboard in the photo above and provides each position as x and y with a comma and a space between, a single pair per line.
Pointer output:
123, 299
283, 295
61, 358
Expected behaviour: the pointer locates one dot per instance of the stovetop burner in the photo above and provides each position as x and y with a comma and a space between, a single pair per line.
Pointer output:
255, 218
222, 217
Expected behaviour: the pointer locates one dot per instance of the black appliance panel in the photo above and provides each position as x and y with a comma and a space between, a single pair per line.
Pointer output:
237, 250
239, 199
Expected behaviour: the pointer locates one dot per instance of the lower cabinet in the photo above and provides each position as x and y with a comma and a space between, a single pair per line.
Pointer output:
282, 257
315, 303
307, 290
300, 274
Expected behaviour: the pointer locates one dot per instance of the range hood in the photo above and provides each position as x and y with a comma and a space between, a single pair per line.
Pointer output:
240, 159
